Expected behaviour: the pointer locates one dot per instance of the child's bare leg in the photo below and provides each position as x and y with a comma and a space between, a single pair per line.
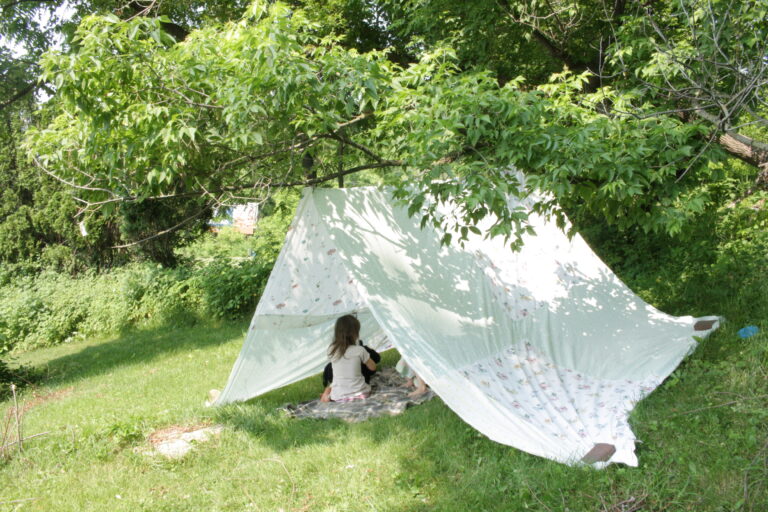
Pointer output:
421, 387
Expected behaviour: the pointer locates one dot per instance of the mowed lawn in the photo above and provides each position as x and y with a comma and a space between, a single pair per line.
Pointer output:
704, 440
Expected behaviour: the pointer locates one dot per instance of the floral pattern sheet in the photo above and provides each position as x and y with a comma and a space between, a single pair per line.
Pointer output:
560, 401
309, 278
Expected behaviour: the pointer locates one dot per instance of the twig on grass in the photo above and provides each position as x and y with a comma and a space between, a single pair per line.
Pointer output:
725, 404
24, 439
248, 495
746, 487
536, 496
293, 483
306, 506
631, 504
761, 454
16, 414
21, 500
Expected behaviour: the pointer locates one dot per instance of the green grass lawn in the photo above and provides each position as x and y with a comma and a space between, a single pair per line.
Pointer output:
704, 440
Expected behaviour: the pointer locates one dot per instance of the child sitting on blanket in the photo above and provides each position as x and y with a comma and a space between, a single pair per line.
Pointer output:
367, 372
346, 356
411, 379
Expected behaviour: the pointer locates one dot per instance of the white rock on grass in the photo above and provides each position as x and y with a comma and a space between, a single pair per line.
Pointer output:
173, 449
177, 444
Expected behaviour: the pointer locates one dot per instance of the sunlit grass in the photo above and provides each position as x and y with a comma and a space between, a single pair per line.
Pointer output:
100, 399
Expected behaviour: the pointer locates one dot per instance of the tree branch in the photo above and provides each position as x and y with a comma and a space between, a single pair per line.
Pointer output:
71, 184
29, 88
344, 140
237, 188
330, 177
175, 30
740, 146
165, 231
4, 7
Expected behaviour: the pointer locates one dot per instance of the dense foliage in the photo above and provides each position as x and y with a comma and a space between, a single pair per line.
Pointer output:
162, 112
714, 266
40, 220
51, 308
221, 277
244, 105
280, 98
619, 110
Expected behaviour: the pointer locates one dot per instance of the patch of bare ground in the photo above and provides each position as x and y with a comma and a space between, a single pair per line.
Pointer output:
172, 432
37, 398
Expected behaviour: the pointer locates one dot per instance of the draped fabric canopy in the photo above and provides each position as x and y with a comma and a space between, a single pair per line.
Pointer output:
544, 349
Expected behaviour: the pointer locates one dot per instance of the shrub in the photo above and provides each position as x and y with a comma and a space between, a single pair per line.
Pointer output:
223, 245
718, 261
230, 290
156, 294
52, 308
223, 279
43, 310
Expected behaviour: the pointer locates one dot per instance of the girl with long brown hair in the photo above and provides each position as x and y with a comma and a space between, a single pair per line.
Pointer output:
346, 359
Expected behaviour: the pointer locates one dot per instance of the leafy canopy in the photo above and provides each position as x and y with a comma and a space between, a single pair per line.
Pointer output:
248, 106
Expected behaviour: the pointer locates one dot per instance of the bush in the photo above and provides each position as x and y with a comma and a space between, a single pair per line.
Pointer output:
51, 308
156, 294
231, 290
45, 310
223, 278
717, 262
226, 244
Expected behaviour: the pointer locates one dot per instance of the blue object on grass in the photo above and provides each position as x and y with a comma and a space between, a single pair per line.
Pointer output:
746, 332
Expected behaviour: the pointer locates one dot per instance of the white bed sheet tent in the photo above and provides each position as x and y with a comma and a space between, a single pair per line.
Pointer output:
544, 349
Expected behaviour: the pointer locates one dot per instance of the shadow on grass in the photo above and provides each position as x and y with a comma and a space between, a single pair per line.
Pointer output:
442, 463
140, 345
262, 418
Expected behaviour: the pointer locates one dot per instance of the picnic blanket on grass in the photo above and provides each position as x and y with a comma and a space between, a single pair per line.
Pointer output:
388, 398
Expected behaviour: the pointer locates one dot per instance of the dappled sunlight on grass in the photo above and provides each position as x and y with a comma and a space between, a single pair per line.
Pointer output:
106, 396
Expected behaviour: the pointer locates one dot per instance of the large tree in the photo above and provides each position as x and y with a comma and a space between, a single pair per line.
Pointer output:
38, 214
624, 128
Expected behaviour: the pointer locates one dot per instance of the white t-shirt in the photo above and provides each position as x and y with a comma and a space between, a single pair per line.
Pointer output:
348, 378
